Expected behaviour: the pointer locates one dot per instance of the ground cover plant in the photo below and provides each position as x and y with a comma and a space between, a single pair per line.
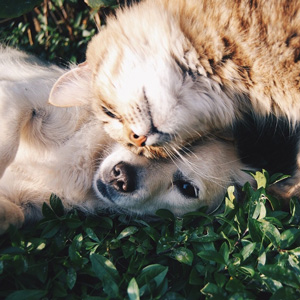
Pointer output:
246, 250
57, 30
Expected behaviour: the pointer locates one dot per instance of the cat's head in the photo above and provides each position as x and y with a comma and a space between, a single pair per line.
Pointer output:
149, 88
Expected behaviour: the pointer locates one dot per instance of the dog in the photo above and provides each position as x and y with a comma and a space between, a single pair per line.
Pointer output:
46, 149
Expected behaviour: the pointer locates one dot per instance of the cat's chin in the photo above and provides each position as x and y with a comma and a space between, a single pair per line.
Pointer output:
152, 152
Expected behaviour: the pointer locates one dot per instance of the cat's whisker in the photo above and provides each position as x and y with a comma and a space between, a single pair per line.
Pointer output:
195, 169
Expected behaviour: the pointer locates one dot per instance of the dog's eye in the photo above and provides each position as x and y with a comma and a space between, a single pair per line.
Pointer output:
108, 112
187, 189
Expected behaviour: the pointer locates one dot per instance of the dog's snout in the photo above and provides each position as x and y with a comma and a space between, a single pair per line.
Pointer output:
123, 178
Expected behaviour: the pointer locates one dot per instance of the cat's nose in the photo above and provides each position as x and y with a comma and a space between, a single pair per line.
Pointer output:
123, 178
138, 140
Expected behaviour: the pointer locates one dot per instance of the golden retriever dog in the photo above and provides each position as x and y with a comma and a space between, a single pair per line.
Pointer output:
46, 149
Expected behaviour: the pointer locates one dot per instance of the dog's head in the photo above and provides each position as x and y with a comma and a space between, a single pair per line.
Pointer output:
135, 184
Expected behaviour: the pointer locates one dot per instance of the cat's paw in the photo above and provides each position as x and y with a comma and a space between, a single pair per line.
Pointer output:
10, 214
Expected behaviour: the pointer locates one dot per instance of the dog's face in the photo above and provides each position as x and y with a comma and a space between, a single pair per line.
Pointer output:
135, 184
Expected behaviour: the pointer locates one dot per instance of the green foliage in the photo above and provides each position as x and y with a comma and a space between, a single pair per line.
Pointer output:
16, 8
56, 30
97, 4
247, 252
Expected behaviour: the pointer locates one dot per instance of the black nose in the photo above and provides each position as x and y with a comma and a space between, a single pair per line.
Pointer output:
123, 178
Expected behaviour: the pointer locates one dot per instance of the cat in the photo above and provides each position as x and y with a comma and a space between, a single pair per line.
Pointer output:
46, 149
163, 73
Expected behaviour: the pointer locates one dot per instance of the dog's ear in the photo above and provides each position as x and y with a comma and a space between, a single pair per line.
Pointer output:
72, 88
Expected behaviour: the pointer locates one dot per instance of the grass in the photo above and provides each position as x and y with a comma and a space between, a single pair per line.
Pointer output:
248, 251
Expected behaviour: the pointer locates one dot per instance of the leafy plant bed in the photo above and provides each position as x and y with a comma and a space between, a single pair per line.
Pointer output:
248, 251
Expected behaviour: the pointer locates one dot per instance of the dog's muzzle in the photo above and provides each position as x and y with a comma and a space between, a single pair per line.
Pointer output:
121, 179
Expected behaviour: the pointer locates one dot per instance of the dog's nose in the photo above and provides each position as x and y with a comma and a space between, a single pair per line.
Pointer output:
123, 178
139, 141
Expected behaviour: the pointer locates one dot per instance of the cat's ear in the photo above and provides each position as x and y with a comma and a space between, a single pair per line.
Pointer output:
72, 88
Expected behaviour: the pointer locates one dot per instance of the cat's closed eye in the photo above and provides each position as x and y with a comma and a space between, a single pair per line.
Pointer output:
108, 112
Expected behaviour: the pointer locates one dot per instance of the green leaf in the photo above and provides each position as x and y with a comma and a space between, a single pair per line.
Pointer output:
57, 205
13, 251
194, 278
288, 237
281, 274
165, 244
105, 222
229, 201
173, 296
257, 209
234, 286
277, 177
97, 4
48, 212
152, 232
212, 256
261, 179
73, 222
295, 251
184, 255
27, 295
248, 250
133, 290
271, 232
155, 273
247, 270
127, 232
91, 234
165, 214
16, 8
212, 289
71, 278
220, 279
285, 293
254, 230
207, 235
224, 252
51, 229
295, 211
107, 273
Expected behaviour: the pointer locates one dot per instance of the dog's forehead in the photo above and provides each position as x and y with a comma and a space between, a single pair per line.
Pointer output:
203, 159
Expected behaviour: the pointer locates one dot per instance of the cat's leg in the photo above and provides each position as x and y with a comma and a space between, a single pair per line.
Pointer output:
10, 214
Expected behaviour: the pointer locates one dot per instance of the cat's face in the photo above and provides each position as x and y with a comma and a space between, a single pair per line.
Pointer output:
153, 98
148, 85
147, 104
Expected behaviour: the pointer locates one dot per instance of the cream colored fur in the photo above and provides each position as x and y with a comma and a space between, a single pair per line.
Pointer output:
165, 72
45, 149
209, 169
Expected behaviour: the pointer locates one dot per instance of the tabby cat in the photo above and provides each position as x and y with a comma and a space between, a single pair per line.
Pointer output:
164, 73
